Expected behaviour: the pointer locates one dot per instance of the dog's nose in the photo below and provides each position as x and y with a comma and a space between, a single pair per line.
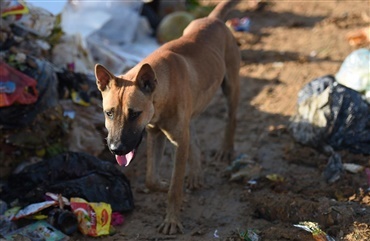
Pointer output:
117, 149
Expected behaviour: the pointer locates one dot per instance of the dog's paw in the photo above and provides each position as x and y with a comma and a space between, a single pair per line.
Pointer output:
194, 181
171, 226
224, 156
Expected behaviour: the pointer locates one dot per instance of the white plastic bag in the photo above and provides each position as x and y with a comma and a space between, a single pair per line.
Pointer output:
355, 72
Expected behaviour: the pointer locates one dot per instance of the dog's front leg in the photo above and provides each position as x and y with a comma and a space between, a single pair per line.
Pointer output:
155, 147
172, 223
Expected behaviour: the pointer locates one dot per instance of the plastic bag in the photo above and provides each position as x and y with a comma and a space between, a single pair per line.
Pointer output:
71, 174
331, 114
100, 26
354, 72
331, 117
25, 91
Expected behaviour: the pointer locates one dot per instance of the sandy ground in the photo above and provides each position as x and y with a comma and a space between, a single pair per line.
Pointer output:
290, 44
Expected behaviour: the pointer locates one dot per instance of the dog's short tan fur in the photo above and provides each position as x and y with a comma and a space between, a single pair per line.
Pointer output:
164, 92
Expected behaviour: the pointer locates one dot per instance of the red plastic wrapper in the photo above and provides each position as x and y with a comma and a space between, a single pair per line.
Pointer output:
25, 91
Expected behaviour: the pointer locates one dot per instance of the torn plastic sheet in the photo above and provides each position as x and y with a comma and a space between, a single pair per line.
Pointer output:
115, 45
33, 208
314, 228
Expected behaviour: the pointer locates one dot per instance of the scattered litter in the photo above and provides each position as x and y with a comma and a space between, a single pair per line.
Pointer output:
11, 212
117, 219
252, 182
215, 234
240, 161
33, 208
243, 168
63, 220
249, 235
239, 24
21, 89
94, 219
352, 167
334, 167
40, 230
14, 7
358, 37
314, 228
275, 178
62, 201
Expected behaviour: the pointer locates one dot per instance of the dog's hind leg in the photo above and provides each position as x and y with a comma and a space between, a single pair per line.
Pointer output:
195, 174
231, 90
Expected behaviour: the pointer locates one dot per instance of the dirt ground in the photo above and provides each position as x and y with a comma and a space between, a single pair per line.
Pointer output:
290, 44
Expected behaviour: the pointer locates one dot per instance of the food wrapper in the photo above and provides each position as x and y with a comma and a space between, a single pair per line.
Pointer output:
13, 7
41, 230
317, 233
25, 91
93, 218
33, 208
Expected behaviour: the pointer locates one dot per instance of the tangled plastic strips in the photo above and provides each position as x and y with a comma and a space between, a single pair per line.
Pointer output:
313, 228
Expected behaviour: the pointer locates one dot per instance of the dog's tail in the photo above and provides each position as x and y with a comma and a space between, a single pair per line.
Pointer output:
222, 9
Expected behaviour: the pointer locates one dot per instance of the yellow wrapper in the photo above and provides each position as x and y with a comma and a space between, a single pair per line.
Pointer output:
93, 218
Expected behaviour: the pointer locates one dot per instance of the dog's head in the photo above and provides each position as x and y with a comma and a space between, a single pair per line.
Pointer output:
128, 108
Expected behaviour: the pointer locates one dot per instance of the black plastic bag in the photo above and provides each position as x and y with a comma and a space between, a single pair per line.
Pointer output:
331, 117
335, 115
72, 174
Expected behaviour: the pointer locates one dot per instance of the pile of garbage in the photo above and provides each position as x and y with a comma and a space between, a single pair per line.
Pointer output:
56, 191
47, 106
52, 182
333, 112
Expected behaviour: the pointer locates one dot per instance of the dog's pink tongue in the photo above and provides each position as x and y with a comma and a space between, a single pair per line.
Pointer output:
125, 159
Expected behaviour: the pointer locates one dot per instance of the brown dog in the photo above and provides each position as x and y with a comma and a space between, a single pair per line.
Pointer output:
163, 93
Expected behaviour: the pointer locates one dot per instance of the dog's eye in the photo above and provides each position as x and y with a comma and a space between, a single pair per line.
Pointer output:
109, 114
133, 115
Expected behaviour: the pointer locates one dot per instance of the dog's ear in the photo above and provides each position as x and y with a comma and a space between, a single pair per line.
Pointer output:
103, 77
146, 79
